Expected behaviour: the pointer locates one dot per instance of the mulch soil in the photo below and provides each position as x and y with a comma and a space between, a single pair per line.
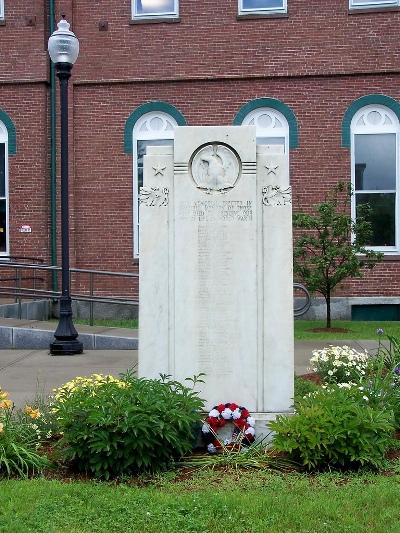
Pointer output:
329, 330
312, 377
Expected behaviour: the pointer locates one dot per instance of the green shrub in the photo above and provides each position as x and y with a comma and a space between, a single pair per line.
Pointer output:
114, 427
339, 364
303, 387
46, 423
391, 353
382, 385
19, 442
332, 428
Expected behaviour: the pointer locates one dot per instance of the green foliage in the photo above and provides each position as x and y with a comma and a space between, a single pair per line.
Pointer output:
333, 429
39, 417
303, 387
382, 383
19, 442
324, 252
115, 427
255, 457
391, 353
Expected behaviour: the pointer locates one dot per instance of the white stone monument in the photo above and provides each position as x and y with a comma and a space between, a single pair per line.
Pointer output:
216, 292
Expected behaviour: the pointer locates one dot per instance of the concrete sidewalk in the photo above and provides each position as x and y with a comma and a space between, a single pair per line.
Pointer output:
38, 334
24, 373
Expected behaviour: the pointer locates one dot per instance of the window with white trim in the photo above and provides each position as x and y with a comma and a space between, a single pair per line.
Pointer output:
4, 232
152, 129
367, 4
375, 138
1, 9
271, 127
262, 6
142, 9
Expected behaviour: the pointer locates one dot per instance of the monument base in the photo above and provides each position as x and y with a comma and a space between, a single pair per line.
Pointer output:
263, 431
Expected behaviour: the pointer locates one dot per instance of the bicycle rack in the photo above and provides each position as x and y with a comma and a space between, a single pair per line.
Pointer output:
299, 311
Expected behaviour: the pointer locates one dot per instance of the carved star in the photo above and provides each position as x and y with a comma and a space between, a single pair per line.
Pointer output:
159, 170
271, 169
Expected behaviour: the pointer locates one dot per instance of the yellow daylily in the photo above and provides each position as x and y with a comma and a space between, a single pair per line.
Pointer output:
3, 395
6, 404
32, 413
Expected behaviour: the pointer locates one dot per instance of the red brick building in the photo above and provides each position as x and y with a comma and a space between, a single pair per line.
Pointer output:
320, 78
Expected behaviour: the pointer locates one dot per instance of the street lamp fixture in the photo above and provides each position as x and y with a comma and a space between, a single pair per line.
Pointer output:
64, 50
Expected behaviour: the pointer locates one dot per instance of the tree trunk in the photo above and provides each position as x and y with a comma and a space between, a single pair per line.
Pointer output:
328, 309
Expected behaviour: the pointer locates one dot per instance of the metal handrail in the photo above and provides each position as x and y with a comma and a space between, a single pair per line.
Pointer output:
9, 258
19, 292
81, 270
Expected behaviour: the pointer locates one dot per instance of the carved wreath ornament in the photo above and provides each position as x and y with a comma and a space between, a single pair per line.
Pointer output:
154, 196
274, 196
243, 432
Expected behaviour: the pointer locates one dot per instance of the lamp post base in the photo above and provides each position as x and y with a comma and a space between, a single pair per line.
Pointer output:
66, 342
66, 347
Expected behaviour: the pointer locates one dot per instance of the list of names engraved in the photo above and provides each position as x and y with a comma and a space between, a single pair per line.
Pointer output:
215, 299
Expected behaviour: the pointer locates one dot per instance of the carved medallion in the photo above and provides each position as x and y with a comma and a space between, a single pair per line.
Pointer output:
154, 196
274, 196
215, 168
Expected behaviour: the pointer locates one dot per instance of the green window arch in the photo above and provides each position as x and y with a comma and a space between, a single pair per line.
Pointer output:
370, 99
274, 104
148, 108
12, 135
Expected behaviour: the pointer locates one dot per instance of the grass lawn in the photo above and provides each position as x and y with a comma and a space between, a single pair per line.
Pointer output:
131, 323
240, 502
357, 330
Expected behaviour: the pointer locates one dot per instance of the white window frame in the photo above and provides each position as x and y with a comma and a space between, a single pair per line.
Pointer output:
139, 135
4, 140
373, 4
272, 131
375, 130
261, 11
155, 15
1, 9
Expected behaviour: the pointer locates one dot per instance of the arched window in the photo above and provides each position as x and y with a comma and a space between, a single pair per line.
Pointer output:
271, 127
151, 129
4, 232
375, 172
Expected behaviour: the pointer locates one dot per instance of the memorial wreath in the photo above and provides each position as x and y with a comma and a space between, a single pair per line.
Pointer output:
243, 432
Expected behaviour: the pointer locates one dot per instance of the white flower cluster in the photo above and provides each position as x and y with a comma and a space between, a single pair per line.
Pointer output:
336, 361
350, 386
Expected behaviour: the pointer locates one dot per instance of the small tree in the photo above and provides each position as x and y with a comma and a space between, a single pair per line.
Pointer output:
331, 246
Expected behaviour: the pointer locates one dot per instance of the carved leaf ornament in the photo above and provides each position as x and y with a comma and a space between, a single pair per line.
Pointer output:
154, 196
274, 196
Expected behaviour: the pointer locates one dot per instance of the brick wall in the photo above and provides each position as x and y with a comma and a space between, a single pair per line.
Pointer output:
318, 60
103, 183
23, 41
317, 37
28, 169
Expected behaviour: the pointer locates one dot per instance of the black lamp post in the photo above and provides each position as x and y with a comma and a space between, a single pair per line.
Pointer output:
64, 50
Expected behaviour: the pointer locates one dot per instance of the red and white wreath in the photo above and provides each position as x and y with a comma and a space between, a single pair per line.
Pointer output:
218, 417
